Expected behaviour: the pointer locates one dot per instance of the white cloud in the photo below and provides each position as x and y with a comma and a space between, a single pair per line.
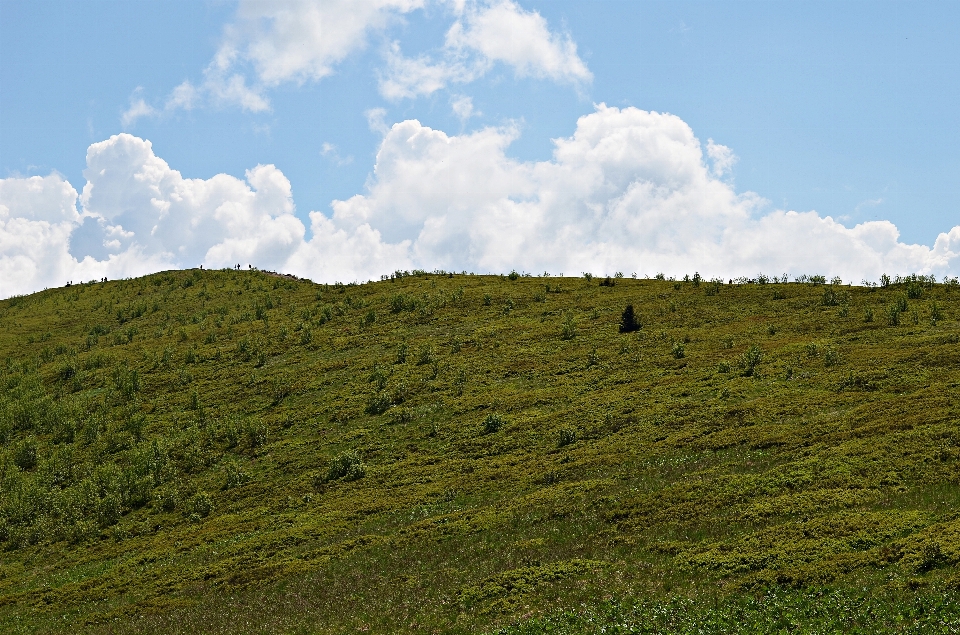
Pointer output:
138, 108
330, 150
482, 35
376, 120
722, 157
462, 107
271, 42
503, 32
629, 190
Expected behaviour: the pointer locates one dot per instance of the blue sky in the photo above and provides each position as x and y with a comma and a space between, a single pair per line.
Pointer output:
846, 110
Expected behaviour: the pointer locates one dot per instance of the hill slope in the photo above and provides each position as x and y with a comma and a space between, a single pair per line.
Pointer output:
234, 451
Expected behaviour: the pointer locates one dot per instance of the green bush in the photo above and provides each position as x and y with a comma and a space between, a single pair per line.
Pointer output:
378, 404
25, 455
678, 351
936, 313
568, 436
347, 466
868, 315
256, 433
893, 315
493, 423
831, 357
202, 504
569, 328
750, 359
402, 353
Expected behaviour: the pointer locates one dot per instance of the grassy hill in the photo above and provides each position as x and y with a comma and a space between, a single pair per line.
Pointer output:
236, 451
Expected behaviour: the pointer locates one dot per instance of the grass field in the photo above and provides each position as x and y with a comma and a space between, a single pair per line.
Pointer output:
240, 452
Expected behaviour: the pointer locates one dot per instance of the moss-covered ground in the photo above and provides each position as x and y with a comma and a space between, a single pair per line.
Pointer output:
241, 452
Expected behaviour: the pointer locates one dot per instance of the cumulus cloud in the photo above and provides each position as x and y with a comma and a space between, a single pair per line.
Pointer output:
484, 34
629, 190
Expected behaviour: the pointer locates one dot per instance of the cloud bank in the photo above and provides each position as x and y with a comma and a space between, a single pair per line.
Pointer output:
630, 191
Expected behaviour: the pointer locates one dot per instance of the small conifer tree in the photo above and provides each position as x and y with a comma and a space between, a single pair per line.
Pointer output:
628, 320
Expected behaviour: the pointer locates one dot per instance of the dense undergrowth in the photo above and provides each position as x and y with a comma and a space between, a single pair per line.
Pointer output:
235, 451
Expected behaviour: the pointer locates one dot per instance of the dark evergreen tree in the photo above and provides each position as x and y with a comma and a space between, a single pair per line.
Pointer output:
628, 321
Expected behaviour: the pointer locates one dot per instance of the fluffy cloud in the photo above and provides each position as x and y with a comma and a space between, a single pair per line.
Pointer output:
630, 190
271, 42
482, 35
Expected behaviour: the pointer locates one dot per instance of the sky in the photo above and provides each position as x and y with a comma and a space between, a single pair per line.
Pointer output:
345, 139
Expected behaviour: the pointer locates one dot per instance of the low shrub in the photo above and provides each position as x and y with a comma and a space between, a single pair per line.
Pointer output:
568, 436
202, 504
493, 423
750, 359
347, 466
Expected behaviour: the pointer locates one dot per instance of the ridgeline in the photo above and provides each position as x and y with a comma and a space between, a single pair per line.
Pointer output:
243, 452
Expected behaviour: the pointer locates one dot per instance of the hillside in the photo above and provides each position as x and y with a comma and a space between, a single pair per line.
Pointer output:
236, 451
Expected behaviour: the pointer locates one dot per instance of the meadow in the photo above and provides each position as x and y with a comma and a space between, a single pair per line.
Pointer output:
245, 452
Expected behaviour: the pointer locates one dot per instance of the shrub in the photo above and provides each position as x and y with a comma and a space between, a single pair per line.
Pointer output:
202, 504
378, 404
893, 315
514, 275
628, 320
723, 367
425, 356
750, 359
884, 280
568, 436
936, 314
347, 466
493, 423
400, 415
843, 311
901, 304
402, 353
868, 315
25, 454
487, 299
830, 297
914, 290
678, 351
235, 476
256, 432
569, 328
607, 282
831, 357
68, 370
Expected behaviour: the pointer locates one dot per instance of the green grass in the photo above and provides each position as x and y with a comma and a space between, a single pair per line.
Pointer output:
233, 451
